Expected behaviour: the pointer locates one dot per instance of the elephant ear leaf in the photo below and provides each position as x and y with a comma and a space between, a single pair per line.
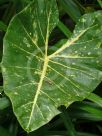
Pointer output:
38, 80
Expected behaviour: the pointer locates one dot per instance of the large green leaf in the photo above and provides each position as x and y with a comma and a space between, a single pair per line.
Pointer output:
38, 79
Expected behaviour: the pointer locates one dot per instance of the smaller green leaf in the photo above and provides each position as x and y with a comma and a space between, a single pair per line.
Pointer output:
86, 110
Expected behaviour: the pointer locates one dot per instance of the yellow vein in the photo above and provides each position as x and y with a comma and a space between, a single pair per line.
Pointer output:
40, 112
18, 67
31, 38
74, 57
71, 68
62, 90
64, 77
48, 96
31, 83
24, 105
38, 90
26, 51
87, 41
69, 42
55, 84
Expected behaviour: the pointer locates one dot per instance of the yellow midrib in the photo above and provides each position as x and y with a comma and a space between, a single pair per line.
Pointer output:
38, 89
43, 72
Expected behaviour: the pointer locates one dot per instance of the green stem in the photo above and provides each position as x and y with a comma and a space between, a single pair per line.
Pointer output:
64, 29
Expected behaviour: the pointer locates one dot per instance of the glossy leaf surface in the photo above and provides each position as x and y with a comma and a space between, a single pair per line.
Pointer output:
38, 81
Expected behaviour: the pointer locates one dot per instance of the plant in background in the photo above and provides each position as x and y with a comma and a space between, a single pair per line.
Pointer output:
39, 78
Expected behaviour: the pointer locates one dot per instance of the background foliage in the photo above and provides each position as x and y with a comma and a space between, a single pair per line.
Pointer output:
81, 118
